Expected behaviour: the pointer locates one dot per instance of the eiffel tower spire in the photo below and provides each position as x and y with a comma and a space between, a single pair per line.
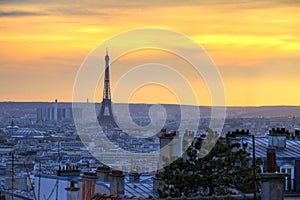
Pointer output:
106, 89
105, 116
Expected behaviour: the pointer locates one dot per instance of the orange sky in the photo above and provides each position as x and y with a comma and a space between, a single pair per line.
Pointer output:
255, 44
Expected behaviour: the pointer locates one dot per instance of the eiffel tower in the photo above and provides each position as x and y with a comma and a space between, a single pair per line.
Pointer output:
105, 117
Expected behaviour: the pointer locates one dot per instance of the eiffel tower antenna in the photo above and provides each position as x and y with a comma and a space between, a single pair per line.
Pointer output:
105, 117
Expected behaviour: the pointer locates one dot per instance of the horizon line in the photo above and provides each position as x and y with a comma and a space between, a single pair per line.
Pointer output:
277, 105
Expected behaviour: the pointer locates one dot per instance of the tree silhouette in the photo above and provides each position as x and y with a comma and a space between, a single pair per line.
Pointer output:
225, 170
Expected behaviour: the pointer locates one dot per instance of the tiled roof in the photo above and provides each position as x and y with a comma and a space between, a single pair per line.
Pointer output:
139, 190
114, 197
292, 149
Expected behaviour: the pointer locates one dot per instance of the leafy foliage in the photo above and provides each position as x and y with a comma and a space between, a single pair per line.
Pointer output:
225, 170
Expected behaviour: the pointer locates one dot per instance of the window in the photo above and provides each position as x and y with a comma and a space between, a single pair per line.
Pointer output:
289, 179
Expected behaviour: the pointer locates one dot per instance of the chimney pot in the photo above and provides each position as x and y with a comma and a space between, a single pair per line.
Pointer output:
271, 160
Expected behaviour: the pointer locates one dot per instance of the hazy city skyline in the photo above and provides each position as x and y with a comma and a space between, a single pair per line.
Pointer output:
255, 45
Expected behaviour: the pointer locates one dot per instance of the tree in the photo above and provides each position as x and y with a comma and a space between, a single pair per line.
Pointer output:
225, 170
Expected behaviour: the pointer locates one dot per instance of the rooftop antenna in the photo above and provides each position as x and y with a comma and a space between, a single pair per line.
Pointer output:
39, 182
12, 174
30, 181
56, 195
59, 160
50, 192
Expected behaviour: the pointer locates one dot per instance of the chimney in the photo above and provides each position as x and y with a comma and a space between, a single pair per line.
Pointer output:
134, 177
272, 183
88, 185
169, 145
103, 173
72, 192
271, 160
68, 171
188, 138
158, 183
277, 138
117, 183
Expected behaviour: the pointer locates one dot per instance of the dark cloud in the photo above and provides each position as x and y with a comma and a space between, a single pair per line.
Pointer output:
73, 10
22, 1
96, 7
130, 3
17, 13
123, 4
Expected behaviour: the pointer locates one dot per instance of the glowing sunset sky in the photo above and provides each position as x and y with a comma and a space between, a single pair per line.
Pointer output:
255, 44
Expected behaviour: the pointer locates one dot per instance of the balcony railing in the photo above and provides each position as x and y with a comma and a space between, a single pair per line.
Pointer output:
289, 185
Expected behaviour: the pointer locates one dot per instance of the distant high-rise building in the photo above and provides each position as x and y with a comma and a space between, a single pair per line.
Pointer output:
55, 110
54, 113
